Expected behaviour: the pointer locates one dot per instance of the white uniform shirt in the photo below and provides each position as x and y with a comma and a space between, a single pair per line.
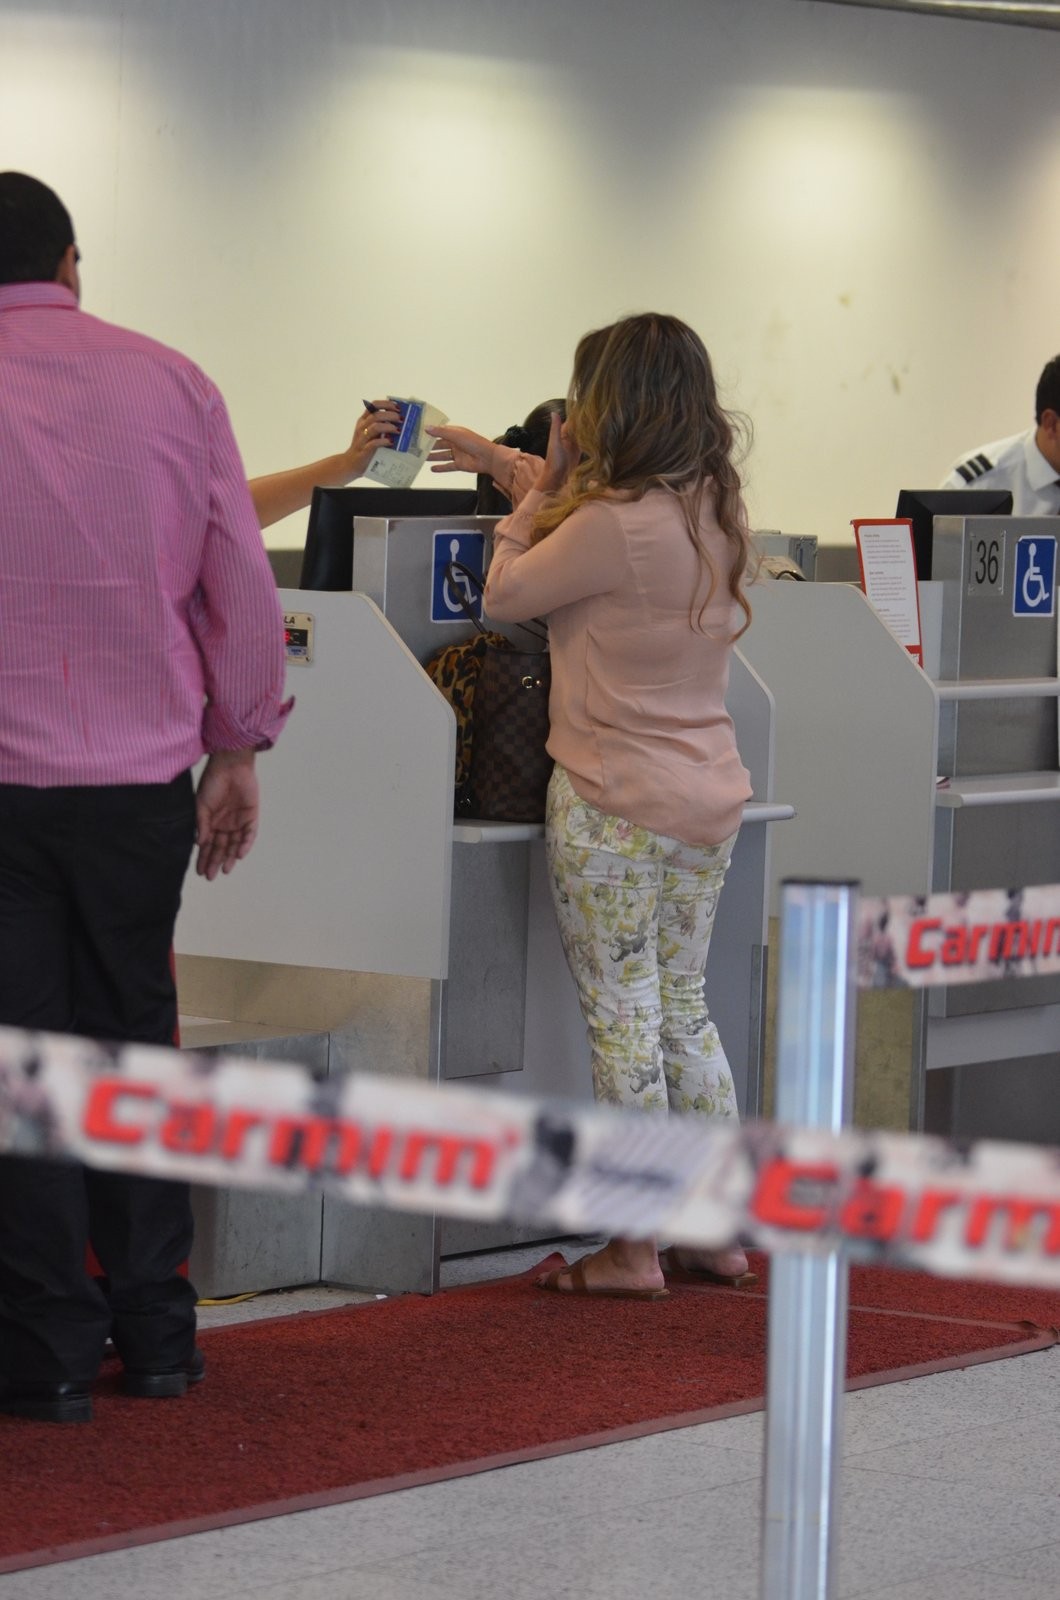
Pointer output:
1015, 464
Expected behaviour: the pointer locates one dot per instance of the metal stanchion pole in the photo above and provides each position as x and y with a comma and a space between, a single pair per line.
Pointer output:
808, 1294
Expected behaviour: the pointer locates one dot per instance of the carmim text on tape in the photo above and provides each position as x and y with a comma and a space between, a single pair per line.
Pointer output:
985, 1210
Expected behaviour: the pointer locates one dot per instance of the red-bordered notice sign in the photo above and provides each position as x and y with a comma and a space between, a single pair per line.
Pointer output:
887, 559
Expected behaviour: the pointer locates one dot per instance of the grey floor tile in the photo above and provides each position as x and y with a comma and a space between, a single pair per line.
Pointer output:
349, 1583
542, 1580
954, 1583
1026, 1383
691, 1545
205, 1565
673, 1462
952, 1402
895, 1530
1010, 1458
538, 1498
1038, 1565
869, 1560
746, 1433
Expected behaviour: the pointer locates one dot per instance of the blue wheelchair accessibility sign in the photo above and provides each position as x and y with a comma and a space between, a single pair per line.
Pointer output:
1034, 585
469, 549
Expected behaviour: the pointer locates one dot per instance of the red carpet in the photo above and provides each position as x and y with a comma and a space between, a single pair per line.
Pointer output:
318, 1408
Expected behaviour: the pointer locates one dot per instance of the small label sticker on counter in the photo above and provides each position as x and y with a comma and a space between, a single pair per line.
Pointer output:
298, 638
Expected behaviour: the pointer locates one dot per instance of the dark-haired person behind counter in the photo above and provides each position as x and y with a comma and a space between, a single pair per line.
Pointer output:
528, 438
1027, 463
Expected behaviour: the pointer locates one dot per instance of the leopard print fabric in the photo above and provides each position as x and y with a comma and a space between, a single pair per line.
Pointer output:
455, 670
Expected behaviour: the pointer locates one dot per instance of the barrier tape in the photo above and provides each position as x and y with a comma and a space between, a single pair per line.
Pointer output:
914, 941
984, 1210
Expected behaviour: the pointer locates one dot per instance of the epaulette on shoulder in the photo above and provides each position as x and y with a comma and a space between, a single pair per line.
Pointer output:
974, 467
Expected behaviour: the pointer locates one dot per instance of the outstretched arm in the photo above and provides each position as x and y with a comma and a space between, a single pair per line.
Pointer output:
280, 493
513, 472
463, 450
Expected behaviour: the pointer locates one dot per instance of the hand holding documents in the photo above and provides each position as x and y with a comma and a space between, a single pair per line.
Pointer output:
396, 464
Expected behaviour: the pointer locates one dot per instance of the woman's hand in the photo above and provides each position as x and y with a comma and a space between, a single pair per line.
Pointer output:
526, 475
374, 428
460, 450
562, 457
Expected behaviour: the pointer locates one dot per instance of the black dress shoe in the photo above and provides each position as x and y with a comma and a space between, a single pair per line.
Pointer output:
47, 1402
163, 1383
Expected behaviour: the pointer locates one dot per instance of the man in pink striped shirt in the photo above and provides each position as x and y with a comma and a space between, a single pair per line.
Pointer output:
141, 629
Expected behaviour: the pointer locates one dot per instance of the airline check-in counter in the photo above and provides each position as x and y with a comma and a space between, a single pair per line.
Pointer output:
944, 779
368, 930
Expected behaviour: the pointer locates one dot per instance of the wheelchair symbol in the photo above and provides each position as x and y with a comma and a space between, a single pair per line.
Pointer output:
1033, 586
1035, 592
463, 584
455, 596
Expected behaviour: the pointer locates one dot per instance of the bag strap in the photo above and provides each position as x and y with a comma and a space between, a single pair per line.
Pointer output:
537, 628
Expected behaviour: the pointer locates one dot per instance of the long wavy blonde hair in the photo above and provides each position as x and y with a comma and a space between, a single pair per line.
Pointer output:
643, 409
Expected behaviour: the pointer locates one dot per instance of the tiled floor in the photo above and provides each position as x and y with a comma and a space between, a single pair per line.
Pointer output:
950, 1491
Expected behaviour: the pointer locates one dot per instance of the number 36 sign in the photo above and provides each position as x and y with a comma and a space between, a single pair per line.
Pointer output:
986, 563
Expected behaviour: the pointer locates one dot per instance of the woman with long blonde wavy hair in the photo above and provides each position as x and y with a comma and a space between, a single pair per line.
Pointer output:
631, 538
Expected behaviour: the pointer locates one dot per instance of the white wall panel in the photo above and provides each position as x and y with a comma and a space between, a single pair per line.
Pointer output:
324, 200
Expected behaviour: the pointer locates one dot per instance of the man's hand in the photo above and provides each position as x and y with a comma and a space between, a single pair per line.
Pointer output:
226, 811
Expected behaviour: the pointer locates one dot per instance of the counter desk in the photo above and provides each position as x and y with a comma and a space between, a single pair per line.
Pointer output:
864, 736
370, 931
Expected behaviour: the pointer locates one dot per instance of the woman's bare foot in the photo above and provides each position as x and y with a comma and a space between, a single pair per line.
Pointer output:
730, 1264
622, 1264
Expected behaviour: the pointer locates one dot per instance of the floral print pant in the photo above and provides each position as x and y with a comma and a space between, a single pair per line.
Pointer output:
635, 912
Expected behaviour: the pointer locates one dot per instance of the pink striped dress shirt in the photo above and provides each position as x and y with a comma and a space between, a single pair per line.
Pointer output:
139, 620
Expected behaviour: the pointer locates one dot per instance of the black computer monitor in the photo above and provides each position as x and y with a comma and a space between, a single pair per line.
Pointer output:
922, 506
327, 562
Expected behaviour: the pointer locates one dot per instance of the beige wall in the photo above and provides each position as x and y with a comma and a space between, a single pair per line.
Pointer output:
328, 199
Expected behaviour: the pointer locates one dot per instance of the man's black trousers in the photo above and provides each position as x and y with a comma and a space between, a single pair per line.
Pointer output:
90, 882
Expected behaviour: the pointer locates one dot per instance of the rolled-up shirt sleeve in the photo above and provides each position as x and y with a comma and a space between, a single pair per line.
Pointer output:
235, 614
